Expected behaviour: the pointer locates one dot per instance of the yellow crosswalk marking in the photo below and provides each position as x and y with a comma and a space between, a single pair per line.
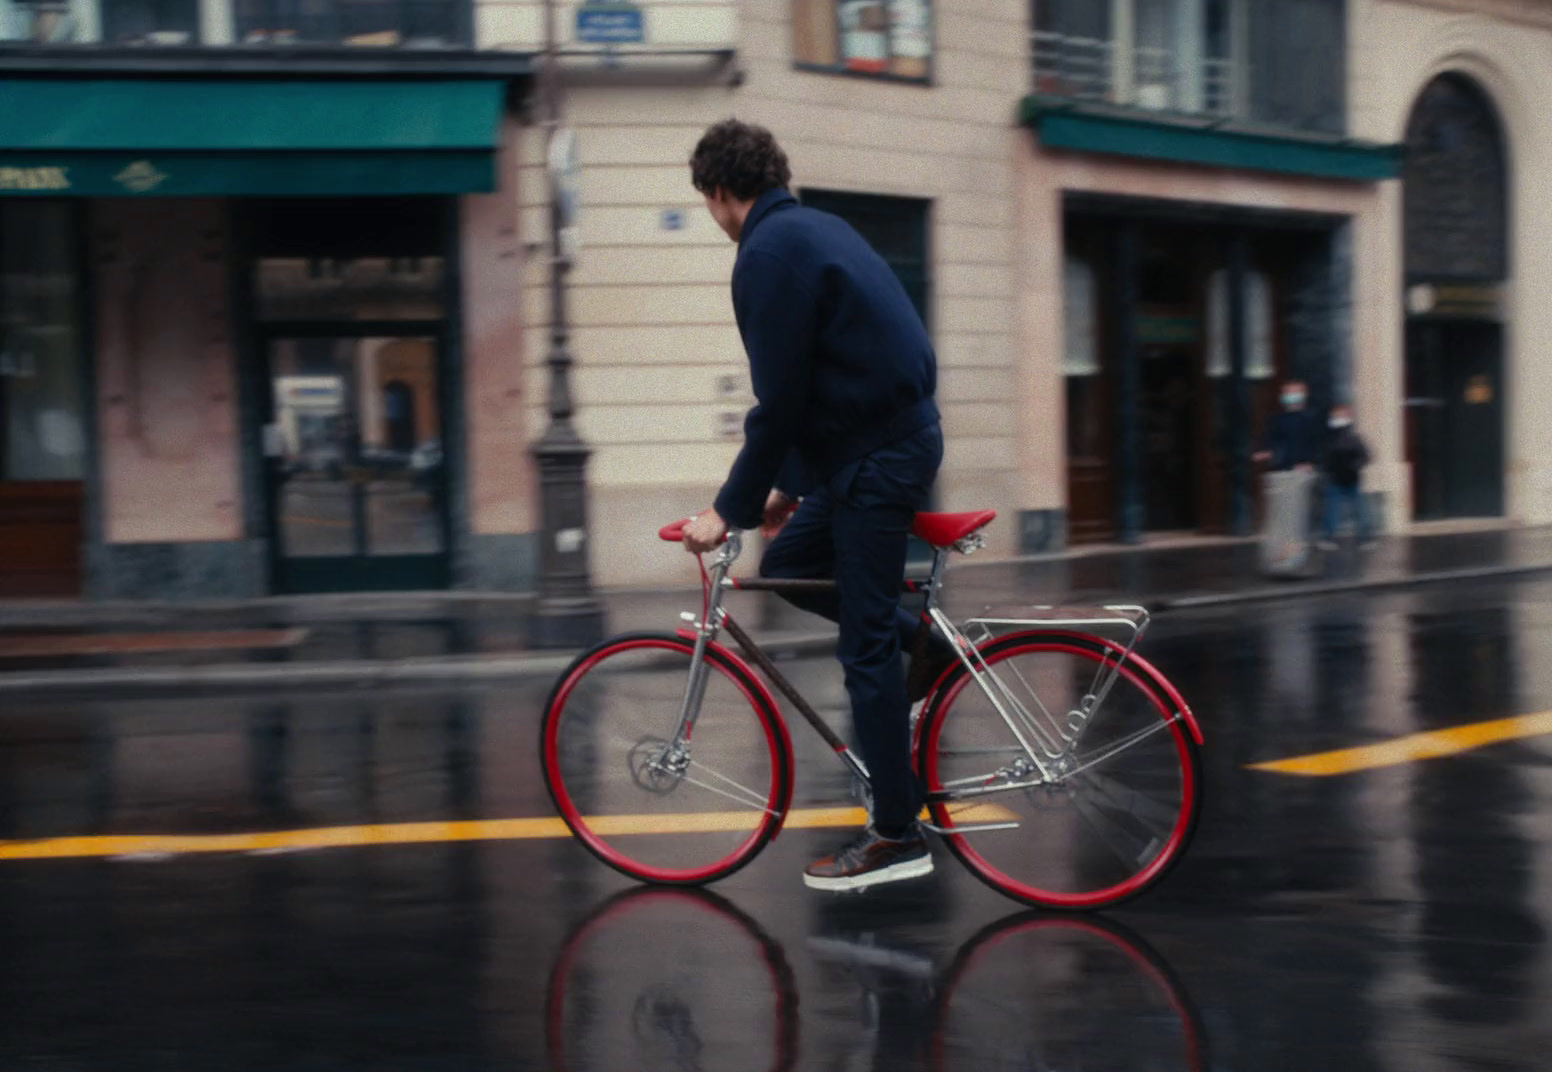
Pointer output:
330, 837
1429, 745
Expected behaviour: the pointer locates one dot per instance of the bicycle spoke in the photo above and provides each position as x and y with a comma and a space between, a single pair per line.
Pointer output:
1145, 809
750, 796
1034, 696
1130, 860
1113, 750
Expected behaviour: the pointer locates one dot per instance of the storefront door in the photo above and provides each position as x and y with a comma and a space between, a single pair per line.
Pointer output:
1455, 418
1170, 381
355, 463
351, 313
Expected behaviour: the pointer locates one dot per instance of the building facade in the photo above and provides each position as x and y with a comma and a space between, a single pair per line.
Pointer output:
1139, 216
274, 282
253, 258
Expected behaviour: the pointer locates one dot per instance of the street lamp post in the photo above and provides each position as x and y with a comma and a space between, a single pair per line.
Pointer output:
568, 615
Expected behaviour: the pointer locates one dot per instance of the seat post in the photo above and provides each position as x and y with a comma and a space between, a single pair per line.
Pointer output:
935, 581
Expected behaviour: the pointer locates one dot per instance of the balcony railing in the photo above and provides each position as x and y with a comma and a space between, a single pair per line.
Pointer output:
251, 23
1082, 68
1087, 69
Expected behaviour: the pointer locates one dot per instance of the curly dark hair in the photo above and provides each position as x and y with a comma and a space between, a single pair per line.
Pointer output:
740, 157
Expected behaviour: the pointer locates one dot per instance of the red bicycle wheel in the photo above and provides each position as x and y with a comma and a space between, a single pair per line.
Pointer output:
660, 813
1109, 815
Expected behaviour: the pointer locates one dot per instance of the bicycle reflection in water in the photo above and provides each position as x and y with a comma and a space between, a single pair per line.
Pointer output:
683, 981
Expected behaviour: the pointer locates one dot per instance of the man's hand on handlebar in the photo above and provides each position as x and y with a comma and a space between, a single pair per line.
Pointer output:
705, 533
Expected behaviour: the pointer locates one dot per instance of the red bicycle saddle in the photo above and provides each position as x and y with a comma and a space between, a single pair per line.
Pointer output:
945, 530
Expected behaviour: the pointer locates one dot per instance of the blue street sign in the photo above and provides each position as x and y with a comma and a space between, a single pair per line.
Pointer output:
611, 24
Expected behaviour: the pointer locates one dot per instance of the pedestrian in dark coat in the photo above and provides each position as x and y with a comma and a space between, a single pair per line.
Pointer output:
1346, 457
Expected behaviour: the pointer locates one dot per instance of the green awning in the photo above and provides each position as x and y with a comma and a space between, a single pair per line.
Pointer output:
1064, 126
180, 138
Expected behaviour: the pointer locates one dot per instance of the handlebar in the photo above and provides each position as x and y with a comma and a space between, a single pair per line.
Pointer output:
674, 531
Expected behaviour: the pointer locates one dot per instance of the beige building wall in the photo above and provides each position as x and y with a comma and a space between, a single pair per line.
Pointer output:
166, 391
662, 380
1506, 46
501, 476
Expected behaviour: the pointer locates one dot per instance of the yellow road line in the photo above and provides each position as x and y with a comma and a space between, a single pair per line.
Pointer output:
330, 837
1416, 746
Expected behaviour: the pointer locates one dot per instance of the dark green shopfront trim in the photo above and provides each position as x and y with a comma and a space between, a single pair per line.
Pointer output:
246, 174
98, 138
1063, 125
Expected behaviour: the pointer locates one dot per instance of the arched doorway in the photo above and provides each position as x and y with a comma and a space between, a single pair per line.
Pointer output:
1456, 230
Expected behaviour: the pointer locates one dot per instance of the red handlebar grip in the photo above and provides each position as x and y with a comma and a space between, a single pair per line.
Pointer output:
673, 533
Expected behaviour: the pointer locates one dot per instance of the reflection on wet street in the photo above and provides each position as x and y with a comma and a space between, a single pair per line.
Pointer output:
1392, 917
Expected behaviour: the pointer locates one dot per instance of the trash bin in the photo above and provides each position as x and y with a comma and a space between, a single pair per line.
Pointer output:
1285, 532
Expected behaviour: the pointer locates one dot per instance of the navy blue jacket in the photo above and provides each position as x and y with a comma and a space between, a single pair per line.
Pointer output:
839, 359
1294, 439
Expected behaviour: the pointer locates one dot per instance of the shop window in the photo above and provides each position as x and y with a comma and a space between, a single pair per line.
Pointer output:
46, 22
42, 416
881, 38
330, 260
114, 22
355, 288
356, 23
150, 22
1260, 358
1080, 360
1455, 187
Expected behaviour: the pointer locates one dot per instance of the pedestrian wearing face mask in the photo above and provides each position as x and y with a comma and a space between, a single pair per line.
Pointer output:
1346, 455
1293, 441
1290, 451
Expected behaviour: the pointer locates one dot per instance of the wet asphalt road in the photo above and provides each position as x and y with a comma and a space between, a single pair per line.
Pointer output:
1389, 919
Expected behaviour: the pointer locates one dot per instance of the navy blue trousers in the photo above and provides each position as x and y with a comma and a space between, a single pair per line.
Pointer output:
856, 529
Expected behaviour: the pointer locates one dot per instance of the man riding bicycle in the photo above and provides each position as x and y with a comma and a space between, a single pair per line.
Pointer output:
845, 439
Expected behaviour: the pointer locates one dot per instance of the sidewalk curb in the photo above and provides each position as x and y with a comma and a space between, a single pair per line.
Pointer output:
360, 674
451, 671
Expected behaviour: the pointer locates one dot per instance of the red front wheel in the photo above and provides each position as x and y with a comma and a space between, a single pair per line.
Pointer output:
1095, 823
656, 807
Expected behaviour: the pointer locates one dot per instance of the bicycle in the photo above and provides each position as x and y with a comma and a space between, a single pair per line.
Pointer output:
669, 759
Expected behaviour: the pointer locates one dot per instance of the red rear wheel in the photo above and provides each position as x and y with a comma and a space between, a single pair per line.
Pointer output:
1109, 816
658, 810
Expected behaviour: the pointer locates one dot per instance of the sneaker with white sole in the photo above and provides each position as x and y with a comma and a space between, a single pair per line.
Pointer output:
870, 860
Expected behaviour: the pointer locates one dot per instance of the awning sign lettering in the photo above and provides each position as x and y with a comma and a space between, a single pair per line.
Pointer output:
34, 178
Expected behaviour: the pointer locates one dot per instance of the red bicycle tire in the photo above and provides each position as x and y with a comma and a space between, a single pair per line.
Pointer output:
1165, 699
780, 791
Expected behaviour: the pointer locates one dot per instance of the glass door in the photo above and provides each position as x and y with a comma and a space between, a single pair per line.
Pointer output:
350, 303
354, 447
